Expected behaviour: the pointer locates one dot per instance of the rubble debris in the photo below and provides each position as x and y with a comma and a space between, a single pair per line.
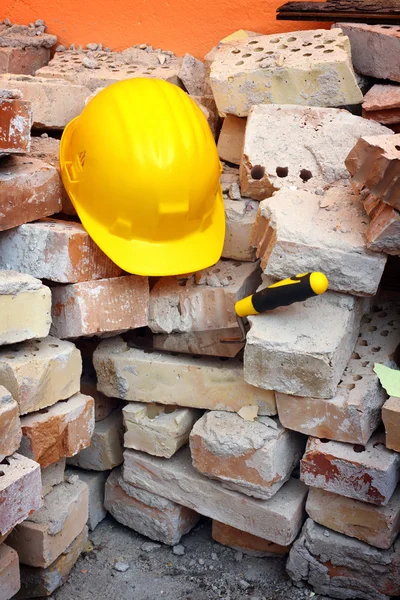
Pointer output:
22, 50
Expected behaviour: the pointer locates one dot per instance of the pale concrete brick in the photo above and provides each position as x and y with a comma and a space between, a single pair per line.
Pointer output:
192, 75
58, 431
31, 189
298, 231
295, 350
384, 231
10, 424
49, 531
341, 567
60, 251
311, 68
39, 373
25, 305
55, 102
246, 542
157, 429
37, 582
20, 490
240, 220
52, 476
368, 473
96, 481
103, 405
286, 146
278, 519
101, 306
9, 572
375, 49
391, 420
382, 103
182, 380
15, 126
255, 458
354, 412
147, 513
375, 525
106, 449
98, 69
202, 301
231, 139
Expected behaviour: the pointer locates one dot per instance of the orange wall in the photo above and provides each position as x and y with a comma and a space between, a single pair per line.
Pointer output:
193, 26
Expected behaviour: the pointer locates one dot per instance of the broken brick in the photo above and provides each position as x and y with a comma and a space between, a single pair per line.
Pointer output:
96, 481
391, 420
9, 572
382, 103
240, 219
231, 139
245, 542
52, 475
15, 126
384, 230
10, 424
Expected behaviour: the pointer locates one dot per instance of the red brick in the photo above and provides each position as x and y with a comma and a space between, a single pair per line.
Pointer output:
105, 305
60, 251
245, 542
231, 139
384, 230
30, 189
368, 473
23, 61
15, 126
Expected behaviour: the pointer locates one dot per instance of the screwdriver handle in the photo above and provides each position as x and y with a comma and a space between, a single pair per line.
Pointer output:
283, 293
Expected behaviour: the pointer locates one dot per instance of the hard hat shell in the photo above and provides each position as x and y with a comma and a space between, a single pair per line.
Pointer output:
141, 168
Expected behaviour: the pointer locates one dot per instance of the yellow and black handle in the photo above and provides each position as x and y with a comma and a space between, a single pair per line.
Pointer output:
283, 293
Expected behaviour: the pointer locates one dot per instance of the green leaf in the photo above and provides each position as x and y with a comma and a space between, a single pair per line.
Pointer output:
389, 378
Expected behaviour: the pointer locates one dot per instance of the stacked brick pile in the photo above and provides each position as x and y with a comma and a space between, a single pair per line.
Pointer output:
283, 447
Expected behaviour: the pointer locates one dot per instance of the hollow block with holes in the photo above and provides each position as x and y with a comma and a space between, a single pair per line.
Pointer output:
157, 429
327, 234
20, 490
58, 431
368, 473
26, 304
39, 373
10, 425
354, 412
56, 250
183, 380
309, 68
285, 147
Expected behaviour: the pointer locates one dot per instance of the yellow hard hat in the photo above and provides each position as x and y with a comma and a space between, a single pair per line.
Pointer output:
141, 167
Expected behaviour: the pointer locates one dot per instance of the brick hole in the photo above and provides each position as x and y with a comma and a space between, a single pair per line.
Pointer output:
9, 356
223, 358
254, 42
260, 59
38, 341
378, 444
196, 356
341, 34
367, 320
169, 409
257, 172
385, 27
328, 51
270, 52
382, 315
282, 171
295, 50
351, 386
357, 377
2, 473
318, 35
307, 54
165, 67
246, 55
292, 39
237, 51
258, 49
5, 461
274, 41
376, 349
329, 41
365, 363
372, 328
51, 346
229, 278
363, 343
397, 147
391, 323
324, 440
43, 411
241, 62
305, 175
358, 448
384, 333
319, 47
356, 356
282, 47
306, 44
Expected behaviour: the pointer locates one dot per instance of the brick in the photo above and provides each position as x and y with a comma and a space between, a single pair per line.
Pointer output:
252, 71
147, 513
157, 429
254, 458
39, 373
96, 481
26, 305
368, 473
374, 49
341, 567
182, 380
48, 149
9, 572
96, 69
106, 449
192, 75
202, 301
207, 104
375, 525
23, 61
103, 405
298, 231
246, 542
15, 126
55, 102
240, 220
391, 420
52, 475
384, 231
37, 582
284, 146
31, 189
311, 361
278, 519
58, 431
231, 139
101, 306
48, 532
10, 424
20, 491
60, 251
354, 412
382, 104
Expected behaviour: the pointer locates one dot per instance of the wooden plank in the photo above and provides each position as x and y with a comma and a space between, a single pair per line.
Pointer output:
365, 5
327, 11
368, 7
